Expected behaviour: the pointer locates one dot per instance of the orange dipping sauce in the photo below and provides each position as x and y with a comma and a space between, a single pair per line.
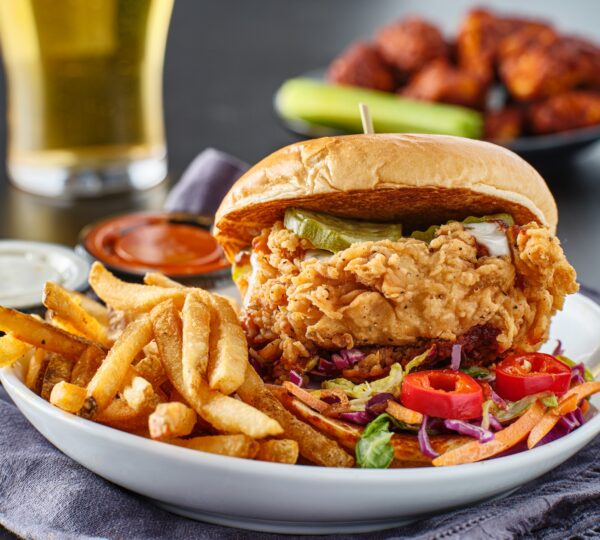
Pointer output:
174, 244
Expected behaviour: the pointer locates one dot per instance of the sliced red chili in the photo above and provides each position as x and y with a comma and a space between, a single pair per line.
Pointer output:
443, 393
523, 374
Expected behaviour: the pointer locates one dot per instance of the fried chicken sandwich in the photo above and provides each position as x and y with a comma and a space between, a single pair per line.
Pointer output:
356, 255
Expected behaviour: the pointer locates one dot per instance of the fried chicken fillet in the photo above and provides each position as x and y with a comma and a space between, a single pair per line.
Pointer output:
393, 298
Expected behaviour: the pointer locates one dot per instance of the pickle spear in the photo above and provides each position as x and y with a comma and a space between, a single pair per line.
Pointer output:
336, 234
334, 106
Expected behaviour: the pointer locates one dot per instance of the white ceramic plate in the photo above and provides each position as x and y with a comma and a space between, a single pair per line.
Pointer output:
301, 499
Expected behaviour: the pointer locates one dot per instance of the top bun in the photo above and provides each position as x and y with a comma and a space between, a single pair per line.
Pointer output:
416, 180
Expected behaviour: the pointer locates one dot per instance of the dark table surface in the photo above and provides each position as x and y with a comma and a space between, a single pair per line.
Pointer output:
226, 58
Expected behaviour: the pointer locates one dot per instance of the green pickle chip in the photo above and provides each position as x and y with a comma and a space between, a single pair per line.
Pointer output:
336, 234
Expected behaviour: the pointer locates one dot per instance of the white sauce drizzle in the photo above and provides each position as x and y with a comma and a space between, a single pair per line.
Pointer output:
490, 235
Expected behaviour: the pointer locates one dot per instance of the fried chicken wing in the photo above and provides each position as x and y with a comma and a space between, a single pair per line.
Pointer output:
504, 124
440, 81
480, 36
362, 65
547, 69
411, 43
571, 110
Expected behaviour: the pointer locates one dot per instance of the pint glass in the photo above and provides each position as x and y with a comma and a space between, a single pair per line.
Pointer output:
84, 94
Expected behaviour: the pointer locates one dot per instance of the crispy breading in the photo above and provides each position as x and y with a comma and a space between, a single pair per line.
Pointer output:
397, 293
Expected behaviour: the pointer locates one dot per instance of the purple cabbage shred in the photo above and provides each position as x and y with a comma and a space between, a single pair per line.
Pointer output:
497, 399
578, 374
558, 349
495, 424
464, 428
358, 417
296, 378
378, 403
456, 356
424, 442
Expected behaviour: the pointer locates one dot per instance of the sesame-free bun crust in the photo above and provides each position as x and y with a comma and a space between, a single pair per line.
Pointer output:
416, 180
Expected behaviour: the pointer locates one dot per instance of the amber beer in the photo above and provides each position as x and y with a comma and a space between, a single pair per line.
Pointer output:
84, 81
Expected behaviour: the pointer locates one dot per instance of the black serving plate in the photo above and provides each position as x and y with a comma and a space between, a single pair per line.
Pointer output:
534, 148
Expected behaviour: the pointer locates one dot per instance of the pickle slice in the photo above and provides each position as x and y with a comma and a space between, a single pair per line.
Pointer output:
336, 234
505, 218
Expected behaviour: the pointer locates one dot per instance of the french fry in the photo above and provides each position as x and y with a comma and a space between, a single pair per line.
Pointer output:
35, 370
87, 365
121, 416
129, 296
67, 396
150, 368
107, 381
63, 324
139, 394
195, 317
34, 331
278, 451
59, 369
228, 348
503, 440
313, 445
171, 420
223, 412
160, 280
95, 309
12, 349
67, 306
399, 412
240, 446
345, 434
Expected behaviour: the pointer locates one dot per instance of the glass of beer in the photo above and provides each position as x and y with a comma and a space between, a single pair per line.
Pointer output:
84, 100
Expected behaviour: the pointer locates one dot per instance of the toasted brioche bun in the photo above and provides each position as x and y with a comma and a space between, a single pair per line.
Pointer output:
416, 180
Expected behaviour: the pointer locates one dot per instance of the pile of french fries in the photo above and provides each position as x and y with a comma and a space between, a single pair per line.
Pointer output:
166, 362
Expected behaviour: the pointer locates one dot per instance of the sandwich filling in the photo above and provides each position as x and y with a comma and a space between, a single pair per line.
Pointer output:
310, 291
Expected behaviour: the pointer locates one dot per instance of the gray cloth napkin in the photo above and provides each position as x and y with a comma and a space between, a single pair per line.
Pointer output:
204, 183
44, 494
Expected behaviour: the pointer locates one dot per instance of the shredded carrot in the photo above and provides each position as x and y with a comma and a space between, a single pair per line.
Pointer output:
503, 440
567, 404
585, 407
306, 397
403, 414
583, 390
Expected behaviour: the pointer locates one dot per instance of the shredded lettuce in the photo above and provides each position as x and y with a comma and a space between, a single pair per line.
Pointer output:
485, 415
549, 401
566, 360
417, 360
364, 391
478, 372
374, 449
518, 408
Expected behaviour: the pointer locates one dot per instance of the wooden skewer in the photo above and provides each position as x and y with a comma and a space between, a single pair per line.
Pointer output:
367, 121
